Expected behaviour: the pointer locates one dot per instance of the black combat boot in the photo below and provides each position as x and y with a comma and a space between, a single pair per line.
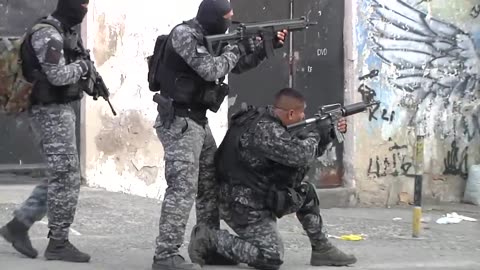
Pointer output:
176, 262
325, 254
202, 242
16, 233
63, 250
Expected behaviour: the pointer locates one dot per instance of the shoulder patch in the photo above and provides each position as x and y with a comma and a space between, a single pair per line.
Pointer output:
54, 52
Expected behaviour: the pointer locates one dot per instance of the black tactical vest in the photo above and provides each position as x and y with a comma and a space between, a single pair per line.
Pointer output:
231, 169
181, 83
43, 91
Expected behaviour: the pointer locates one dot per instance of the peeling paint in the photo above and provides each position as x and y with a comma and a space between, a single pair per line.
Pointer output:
123, 152
429, 71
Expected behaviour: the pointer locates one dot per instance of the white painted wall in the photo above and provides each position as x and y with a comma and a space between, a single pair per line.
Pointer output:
123, 153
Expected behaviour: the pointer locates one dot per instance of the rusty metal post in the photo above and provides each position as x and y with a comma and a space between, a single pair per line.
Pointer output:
417, 195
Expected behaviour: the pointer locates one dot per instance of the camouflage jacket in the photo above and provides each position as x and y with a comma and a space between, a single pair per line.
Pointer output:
48, 45
185, 41
269, 145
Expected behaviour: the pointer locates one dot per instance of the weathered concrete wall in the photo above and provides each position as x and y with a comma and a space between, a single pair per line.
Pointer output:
427, 58
123, 152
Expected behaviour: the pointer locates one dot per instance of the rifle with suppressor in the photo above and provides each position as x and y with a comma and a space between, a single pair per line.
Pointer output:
330, 114
95, 83
266, 30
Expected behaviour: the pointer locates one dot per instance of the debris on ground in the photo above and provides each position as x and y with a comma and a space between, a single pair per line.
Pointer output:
454, 218
348, 237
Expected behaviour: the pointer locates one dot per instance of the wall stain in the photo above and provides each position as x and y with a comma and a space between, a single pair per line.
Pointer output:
129, 138
107, 38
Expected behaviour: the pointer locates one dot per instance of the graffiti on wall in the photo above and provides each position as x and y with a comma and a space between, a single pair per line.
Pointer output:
475, 11
427, 76
368, 95
456, 161
397, 162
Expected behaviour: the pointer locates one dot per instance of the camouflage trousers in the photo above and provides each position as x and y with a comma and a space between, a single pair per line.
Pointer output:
259, 243
53, 127
190, 173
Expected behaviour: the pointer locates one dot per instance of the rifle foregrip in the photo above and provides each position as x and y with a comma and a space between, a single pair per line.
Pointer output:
355, 108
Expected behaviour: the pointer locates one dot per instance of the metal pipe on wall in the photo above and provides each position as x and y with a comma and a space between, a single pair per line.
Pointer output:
290, 51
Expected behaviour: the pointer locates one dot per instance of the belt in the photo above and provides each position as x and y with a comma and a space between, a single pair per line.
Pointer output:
197, 115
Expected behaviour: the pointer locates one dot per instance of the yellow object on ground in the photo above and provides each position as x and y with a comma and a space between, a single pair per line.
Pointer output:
351, 237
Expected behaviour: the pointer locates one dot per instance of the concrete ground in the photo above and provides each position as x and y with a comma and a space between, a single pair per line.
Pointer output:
118, 230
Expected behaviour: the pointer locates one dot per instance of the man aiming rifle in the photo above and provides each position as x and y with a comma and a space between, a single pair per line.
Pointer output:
267, 31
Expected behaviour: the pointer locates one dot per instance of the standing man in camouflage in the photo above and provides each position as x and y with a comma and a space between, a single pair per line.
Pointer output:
49, 58
191, 84
260, 166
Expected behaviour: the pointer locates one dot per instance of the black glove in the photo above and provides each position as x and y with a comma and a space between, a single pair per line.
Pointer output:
247, 45
86, 65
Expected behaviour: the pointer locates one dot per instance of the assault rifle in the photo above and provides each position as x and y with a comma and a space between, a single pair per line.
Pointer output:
95, 83
266, 30
330, 114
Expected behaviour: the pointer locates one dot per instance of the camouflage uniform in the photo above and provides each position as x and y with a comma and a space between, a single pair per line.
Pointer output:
53, 126
258, 235
189, 146
259, 244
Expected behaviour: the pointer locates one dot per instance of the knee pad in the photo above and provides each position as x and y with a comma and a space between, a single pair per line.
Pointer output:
267, 261
310, 191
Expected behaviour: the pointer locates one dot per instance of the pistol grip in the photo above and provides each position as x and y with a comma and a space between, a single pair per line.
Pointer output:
268, 46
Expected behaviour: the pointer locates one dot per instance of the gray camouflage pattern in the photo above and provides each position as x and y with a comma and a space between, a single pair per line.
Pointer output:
259, 243
210, 68
57, 74
53, 127
189, 148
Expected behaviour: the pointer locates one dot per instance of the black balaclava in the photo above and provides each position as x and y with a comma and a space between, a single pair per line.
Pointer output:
210, 16
70, 12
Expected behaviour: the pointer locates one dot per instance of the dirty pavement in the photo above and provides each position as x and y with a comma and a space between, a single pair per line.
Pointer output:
119, 230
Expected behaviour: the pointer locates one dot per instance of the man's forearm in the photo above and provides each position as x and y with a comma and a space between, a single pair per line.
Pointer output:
250, 61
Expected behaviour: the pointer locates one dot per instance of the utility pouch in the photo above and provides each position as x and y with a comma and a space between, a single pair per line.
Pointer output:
185, 89
213, 95
165, 109
280, 201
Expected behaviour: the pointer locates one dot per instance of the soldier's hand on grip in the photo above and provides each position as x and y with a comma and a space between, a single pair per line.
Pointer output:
86, 65
280, 39
342, 125
248, 46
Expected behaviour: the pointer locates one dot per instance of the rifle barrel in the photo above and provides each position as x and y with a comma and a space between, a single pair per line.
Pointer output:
111, 107
354, 108
347, 110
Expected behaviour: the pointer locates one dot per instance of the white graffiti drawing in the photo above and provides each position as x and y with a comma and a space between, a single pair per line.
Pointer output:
435, 62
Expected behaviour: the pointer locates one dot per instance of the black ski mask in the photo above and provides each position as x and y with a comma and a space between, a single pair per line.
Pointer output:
70, 12
210, 16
